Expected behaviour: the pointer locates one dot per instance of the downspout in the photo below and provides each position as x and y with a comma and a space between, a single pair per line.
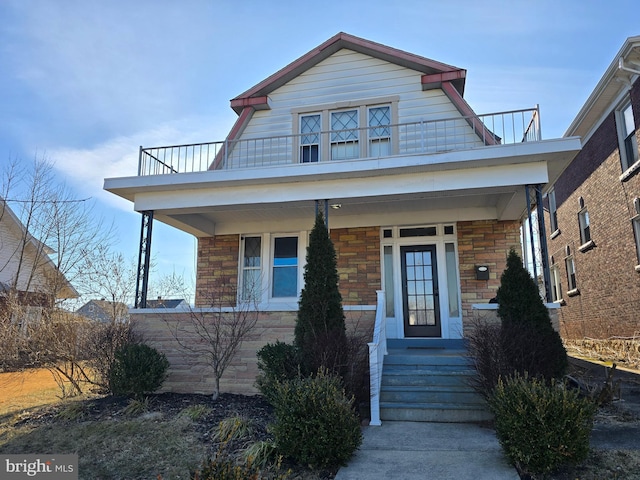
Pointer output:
622, 66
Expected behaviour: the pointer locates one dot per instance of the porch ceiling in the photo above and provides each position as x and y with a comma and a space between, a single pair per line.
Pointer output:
505, 203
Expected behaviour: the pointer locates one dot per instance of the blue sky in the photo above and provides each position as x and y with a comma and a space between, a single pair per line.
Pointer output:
85, 82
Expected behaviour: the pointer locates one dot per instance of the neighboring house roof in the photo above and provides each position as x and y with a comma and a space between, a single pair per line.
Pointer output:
12, 233
167, 303
614, 83
103, 311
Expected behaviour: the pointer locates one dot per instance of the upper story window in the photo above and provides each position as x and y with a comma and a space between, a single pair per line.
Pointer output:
344, 135
553, 211
347, 130
585, 228
628, 141
584, 223
635, 221
636, 231
379, 131
310, 128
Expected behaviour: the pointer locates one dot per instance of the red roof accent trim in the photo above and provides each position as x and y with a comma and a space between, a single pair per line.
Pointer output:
338, 42
235, 132
463, 107
259, 103
435, 80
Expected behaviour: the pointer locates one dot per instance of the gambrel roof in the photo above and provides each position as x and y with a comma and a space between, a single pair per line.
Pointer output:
435, 73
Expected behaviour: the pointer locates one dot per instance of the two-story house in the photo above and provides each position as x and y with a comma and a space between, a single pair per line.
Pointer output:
423, 197
594, 210
27, 273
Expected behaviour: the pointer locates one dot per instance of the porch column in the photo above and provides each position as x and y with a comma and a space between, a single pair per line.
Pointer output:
144, 259
544, 250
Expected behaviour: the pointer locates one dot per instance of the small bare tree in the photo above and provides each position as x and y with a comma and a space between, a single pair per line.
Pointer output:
217, 331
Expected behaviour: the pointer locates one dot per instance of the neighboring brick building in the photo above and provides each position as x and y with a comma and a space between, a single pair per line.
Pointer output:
594, 234
424, 198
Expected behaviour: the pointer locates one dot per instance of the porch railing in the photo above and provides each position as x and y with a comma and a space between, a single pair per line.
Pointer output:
377, 351
424, 137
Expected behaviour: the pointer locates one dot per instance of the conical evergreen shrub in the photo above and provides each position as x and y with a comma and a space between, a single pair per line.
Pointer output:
320, 333
528, 341
518, 296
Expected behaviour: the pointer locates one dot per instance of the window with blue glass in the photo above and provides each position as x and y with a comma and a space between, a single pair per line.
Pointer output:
285, 267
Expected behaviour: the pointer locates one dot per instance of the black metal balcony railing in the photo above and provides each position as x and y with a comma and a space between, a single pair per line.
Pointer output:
426, 137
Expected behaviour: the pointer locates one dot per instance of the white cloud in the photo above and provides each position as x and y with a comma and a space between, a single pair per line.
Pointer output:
86, 168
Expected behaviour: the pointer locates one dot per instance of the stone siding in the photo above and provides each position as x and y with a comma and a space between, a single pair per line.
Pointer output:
485, 242
358, 262
189, 373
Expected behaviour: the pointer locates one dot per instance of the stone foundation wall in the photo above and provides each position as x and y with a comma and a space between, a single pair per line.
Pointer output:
189, 373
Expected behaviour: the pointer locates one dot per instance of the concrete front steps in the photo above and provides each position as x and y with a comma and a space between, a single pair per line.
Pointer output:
428, 380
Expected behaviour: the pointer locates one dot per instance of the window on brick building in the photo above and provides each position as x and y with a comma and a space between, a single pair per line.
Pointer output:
585, 227
553, 211
556, 282
636, 232
627, 133
571, 274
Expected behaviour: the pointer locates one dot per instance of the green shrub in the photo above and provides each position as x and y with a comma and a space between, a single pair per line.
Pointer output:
540, 426
529, 344
277, 362
137, 370
315, 422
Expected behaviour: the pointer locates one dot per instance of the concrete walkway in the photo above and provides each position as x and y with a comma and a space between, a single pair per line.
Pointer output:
421, 450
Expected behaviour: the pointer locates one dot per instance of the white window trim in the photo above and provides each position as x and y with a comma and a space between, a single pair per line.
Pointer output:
242, 269
556, 280
266, 301
362, 106
272, 245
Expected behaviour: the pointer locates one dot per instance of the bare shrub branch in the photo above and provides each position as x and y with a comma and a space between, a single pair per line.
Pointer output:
216, 332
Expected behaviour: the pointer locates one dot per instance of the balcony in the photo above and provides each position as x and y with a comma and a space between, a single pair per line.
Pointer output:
381, 141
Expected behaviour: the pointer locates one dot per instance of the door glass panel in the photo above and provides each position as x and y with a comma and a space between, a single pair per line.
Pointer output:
452, 280
419, 287
388, 281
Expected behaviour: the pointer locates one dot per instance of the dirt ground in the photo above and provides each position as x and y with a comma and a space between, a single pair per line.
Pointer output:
23, 390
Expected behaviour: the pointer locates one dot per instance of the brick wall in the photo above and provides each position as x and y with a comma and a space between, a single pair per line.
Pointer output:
358, 252
485, 242
190, 374
609, 298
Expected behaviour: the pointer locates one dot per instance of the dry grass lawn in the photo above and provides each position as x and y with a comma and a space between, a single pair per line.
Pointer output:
24, 390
